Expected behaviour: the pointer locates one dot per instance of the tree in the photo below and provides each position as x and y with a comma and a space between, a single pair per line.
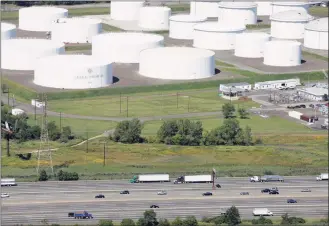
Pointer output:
127, 222
228, 110
149, 219
177, 222
230, 131
105, 223
163, 222
190, 221
233, 216
243, 113
43, 176
128, 132
168, 129
53, 131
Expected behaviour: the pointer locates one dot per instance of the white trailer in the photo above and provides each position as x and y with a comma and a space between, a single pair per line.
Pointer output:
198, 179
322, 176
262, 212
153, 178
8, 182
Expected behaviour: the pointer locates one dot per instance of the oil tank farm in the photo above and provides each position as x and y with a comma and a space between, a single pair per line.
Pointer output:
204, 9
21, 54
282, 53
177, 63
289, 24
156, 18
39, 18
126, 11
8, 31
264, 8
216, 35
281, 6
251, 44
239, 12
124, 47
316, 34
75, 30
73, 72
182, 26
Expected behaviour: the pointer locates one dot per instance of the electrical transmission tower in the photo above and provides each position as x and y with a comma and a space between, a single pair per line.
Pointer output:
44, 152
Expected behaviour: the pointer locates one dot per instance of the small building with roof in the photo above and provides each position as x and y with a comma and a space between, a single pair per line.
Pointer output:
277, 84
313, 93
233, 90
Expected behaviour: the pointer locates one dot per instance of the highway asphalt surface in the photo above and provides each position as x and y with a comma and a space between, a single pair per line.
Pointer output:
31, 203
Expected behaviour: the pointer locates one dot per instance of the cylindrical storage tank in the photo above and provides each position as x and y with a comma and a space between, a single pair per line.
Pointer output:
8, 31
121, 47
177, 63
156, 18
182, 26
216, 35
22, 54
75, 30
38, 18
204, 9
281, 6
289, 24
239, 12
282, 53
316, 34
127, 11
73, 72
251, 44
264, 8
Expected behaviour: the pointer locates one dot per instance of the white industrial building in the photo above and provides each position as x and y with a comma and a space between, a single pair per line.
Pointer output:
204, 9
243, 86
216, 35
264, 8
239, 12
281, 6
156, 18
292, 83
177, 63
73, 72
316, 34
282, 53
182, 26
21, 54
75, 30
289, 24
251, 44
313, 93
126, 11
37, 18
8, 31
124, 47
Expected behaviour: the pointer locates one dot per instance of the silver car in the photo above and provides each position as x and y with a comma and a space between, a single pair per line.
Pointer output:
162, 193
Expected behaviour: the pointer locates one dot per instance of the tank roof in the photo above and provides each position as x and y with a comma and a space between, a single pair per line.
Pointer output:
318, 25
292, 16
237, 5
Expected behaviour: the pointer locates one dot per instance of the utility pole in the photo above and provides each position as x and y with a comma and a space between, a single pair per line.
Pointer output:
60, 121
120, 102
127, 107
104, 154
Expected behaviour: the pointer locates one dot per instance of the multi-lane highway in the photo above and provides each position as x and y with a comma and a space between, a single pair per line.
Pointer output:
31, 203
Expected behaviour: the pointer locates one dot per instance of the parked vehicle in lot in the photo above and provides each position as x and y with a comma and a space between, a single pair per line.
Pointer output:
291, 201
207, 194
274, 192
244, 193
266, 190
125, 192
306, 190
81, 215
262, 212
4, 195
154, 206
100, 196
162, 193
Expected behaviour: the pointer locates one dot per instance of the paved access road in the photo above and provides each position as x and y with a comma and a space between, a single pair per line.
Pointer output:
33, 202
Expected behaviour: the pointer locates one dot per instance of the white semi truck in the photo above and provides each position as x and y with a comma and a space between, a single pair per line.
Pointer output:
8, 182
150, 178
194, 179
322, 176
267, 178
261, 212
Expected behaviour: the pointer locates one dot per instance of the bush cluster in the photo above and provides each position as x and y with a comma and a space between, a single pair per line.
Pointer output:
61, 176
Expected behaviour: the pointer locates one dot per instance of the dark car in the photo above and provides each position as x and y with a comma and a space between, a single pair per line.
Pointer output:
218, 186
266, 190
154, 206
274, 192
125, 192
302, 106
100, 196
291, 201
70, 214
244, 193
207, 194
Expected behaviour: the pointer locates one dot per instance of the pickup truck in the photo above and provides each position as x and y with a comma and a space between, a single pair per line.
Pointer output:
81, 215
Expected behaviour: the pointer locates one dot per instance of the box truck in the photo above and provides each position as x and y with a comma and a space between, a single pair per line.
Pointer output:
8, 182
194, 179
150, 178
262, 212
322, 176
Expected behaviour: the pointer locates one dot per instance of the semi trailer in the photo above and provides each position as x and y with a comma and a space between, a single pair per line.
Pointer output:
194, 179
150, 178
267, 178
8, 182
322, 176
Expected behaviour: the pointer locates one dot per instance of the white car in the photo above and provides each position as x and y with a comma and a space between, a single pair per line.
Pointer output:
4, 195
162, 193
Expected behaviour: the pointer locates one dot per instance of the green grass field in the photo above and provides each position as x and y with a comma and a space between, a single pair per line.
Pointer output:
319, 11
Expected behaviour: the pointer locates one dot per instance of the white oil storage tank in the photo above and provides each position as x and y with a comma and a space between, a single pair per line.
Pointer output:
281, 6
289, 24
282, 53
316, 34
264, 8
251, 44
39, 18
177, 63
8, 31
124, 47
73, 72
204, 9
216, 35
239, 12
126, 11
75, 30
182, 26
21, 54
156, 18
